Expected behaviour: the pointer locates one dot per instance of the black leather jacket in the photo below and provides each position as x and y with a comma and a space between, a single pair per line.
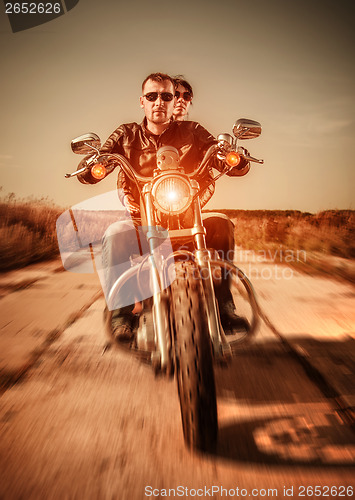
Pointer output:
139, 146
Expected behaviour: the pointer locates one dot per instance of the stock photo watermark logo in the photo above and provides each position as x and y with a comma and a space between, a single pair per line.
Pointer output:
99, 235
24, 15
267, 264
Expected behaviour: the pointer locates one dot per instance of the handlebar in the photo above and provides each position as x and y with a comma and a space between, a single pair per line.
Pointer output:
77, 172
133, 175
245, 154
252, 159
129, 170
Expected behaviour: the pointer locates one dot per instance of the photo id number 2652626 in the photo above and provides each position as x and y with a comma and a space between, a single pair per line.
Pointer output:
32, 8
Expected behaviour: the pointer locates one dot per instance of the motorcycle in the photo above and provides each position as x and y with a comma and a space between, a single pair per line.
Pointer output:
179, 331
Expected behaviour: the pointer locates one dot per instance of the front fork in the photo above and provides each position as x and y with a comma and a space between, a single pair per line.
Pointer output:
221, 348
161, 358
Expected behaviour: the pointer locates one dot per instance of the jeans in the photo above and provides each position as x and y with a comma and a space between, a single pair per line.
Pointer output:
122, 241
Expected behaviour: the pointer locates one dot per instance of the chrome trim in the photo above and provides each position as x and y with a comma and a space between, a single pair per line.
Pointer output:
120, 282
246, 129
86, 144
214, 325
183, 233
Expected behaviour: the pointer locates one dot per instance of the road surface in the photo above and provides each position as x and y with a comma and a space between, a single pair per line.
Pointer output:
80, 422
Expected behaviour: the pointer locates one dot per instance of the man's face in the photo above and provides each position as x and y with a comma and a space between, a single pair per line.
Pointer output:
181, 106
158, 111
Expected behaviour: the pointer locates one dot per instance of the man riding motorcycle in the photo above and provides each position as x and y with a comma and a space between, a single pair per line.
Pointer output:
139, 144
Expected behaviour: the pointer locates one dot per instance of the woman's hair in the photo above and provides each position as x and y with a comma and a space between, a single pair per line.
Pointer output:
180, 80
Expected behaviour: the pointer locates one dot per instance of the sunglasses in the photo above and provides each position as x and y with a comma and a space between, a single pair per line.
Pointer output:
185, 95
153, 96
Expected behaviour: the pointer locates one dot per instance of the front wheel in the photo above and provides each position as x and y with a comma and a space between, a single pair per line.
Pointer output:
193, 359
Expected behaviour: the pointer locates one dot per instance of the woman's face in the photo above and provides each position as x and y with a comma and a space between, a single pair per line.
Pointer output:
182, 106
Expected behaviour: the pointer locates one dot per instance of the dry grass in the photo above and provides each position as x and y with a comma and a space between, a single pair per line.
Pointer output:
325, 239
27, 232
330, 232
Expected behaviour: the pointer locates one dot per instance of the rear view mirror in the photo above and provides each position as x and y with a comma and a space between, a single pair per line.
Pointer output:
246, 129
86, 144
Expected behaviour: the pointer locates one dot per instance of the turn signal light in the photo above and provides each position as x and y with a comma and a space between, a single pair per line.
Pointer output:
98, 171
232, 159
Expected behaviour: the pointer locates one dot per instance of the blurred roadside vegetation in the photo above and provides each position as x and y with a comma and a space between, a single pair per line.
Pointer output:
28, 235
325, 239
330, 232
27, 231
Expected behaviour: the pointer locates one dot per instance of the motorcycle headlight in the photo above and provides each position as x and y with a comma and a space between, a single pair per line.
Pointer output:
172, 194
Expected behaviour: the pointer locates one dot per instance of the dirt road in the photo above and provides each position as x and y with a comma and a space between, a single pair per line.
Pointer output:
78, 422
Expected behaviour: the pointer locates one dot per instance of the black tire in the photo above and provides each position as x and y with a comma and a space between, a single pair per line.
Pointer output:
194, 361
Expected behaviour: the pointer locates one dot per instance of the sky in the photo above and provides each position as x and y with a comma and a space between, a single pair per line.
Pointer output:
288, 65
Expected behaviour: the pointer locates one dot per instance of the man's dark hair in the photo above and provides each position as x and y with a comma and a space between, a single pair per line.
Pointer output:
158, 77
180, 80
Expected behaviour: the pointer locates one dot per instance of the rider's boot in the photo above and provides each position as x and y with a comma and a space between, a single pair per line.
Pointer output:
230, 320
122, 323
